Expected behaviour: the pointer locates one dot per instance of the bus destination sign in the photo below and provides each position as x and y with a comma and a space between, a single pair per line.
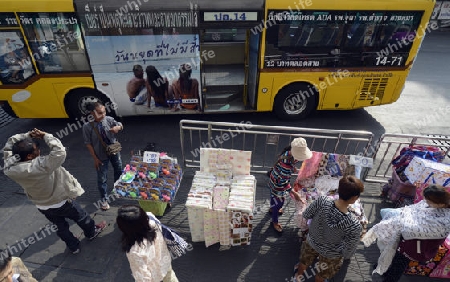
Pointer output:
229, 16
8, 20
280, 16
137, 20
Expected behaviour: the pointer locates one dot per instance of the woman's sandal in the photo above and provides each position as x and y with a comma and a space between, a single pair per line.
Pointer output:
277, 227
280, 211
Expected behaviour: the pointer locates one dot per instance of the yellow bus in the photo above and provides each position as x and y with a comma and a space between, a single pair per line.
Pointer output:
156, 57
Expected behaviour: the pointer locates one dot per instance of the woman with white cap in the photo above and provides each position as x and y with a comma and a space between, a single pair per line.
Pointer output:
280, 177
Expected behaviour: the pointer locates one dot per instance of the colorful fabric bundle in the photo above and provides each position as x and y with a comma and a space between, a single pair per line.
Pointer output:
443, 269
426, 268
310, 166
307, 172
423, 152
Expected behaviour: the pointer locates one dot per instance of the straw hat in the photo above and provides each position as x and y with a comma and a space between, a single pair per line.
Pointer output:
300, 150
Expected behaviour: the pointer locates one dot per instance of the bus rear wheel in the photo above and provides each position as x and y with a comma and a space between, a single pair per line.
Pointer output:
295, 101
76, 101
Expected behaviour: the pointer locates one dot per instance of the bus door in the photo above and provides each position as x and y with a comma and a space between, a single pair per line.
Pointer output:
223, 73
229, 71
251, 78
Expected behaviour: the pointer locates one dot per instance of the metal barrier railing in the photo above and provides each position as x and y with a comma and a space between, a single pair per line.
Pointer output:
265, 142
390, 145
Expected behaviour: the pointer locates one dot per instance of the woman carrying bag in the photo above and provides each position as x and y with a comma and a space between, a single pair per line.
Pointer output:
144, 245
411, 233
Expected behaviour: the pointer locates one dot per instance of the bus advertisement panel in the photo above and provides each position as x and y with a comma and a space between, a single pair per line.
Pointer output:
141, 63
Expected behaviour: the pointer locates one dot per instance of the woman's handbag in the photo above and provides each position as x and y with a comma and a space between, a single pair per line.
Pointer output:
176, 245
111, 149
420, 250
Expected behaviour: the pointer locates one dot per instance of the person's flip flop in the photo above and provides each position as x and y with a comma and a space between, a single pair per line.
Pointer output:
277, 227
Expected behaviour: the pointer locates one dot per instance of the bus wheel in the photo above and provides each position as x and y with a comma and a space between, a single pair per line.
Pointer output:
76, 101
295, 102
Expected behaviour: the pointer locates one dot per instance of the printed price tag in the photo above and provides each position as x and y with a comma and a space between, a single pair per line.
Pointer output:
361, 161
151, 157
190, 101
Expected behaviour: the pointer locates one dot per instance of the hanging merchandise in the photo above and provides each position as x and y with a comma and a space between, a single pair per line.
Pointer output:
325, 182
308, 170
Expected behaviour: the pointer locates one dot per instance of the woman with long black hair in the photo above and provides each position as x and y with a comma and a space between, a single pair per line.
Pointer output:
157, 87
186, 88
144, 245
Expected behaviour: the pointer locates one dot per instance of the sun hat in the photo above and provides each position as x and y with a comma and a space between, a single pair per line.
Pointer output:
300, 150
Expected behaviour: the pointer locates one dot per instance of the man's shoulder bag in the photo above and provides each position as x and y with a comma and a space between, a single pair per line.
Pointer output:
112, 149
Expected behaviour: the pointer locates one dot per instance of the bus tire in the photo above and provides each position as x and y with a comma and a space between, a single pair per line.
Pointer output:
76, 100
295, 101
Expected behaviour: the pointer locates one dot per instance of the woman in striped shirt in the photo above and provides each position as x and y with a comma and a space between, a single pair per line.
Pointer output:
280, 177
334, 232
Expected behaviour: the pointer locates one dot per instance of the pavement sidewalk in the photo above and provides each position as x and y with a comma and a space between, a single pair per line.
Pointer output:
270, 257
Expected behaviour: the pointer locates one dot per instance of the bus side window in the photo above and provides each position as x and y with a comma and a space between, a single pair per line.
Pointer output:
386, 34
55, 40
304, 36
15, 63
356, 35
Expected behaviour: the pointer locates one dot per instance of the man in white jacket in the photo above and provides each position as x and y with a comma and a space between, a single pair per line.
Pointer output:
48, 185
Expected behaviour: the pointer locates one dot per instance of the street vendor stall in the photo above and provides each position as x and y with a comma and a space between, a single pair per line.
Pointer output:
413, 169
152, 179
222, 197
423, 172
409, 170
320, 175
